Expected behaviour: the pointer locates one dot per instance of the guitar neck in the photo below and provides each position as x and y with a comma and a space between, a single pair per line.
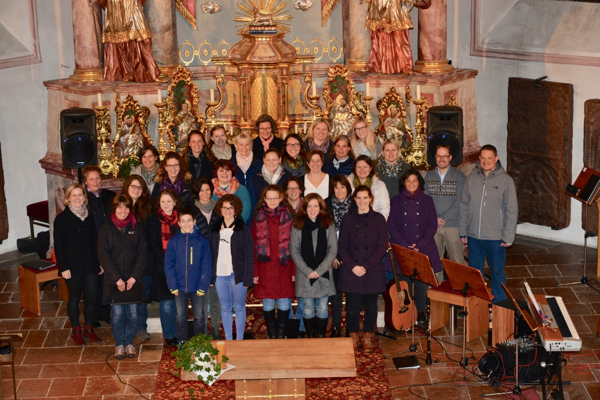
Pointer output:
396, 279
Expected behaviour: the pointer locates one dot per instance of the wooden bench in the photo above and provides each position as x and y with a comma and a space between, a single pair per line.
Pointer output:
29, 287
279, 367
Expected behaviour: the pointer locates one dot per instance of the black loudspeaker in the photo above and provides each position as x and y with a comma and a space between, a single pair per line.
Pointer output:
445, 127
78, 141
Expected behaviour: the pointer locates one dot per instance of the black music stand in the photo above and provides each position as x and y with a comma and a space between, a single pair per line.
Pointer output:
466, 279
519, 313
416, 266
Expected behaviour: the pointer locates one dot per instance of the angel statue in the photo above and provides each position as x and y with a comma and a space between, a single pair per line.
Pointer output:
342, 118
184, 122
394, 126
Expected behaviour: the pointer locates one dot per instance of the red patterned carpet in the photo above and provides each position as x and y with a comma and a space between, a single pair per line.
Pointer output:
370, 383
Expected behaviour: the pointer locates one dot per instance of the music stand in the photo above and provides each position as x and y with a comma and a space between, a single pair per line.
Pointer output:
416, 266
519, 312
464, 279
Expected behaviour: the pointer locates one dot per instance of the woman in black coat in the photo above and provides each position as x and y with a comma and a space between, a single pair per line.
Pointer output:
232, 252
75, 240
173, 174
364, 239
122, 253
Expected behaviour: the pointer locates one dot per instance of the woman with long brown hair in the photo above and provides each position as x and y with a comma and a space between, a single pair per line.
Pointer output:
195, 156
173, 174
313, 245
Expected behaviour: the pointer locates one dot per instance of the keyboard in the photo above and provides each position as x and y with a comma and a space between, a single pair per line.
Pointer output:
558, 333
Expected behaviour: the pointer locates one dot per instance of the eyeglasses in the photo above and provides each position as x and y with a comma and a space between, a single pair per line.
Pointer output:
292, 145
172, 166
135, 187
265, 129
442, 156
293, 189
228, 208
360, 128
272, 198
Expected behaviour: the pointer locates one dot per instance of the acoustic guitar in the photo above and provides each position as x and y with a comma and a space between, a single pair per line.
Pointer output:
398, 303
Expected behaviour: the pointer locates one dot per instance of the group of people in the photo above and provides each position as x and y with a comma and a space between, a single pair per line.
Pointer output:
291, 218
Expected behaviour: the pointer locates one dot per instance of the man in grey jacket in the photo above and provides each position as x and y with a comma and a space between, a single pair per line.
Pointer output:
445, 185
488, 217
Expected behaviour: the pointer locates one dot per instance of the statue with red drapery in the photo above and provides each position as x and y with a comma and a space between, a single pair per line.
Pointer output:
389, 22
127, 42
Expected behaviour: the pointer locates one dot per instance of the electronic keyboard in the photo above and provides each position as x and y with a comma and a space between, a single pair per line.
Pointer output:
557, 331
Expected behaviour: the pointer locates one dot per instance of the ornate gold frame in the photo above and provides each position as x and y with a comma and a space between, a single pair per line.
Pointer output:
171, 108
355, 100
142, 113
392, 97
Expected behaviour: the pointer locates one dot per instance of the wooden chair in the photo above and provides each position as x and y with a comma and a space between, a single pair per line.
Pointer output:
38, 215
9, 358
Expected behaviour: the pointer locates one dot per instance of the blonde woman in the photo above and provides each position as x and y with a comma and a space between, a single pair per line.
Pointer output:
319, 137
363, 140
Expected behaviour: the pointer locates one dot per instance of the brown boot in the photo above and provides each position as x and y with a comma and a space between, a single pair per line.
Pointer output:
355, 340
368, 343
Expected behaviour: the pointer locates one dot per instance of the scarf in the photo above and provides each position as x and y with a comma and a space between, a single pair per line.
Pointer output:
266, 143
337, 163
80, 213
148, 175
272, 179
311, 257
412, 196
294, 165
178, 186
166, 222
123, 223
323, 146
233, 186
244, 163
195, 164
356, 182
222, 155
206, 208
340, 209
393, 171
284, 228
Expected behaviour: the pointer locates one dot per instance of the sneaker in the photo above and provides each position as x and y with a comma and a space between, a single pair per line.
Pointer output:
421, 318
143, 334
130, 351
119, 352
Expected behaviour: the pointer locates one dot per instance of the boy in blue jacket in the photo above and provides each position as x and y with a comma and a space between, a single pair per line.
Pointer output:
188, 268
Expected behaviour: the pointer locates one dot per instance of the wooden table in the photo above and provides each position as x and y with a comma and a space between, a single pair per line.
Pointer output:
29, 287
278, 367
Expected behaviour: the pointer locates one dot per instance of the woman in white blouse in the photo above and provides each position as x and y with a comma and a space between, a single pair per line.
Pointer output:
316, 181
364, 173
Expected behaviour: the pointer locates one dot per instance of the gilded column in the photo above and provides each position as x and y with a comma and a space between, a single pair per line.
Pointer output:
162, 22
359, 45
87, 36
433, 39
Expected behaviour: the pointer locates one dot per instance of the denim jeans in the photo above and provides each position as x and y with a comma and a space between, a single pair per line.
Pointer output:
142, 308
168, 318
321, 307
212, 307
123, 322
181, 301
479, 250
282, 304
230, 296
299, 314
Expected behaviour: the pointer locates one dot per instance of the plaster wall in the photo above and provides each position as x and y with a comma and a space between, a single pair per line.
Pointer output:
492, 93
13, 16
23, 115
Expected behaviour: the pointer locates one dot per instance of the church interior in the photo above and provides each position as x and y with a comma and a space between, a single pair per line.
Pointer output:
517, 74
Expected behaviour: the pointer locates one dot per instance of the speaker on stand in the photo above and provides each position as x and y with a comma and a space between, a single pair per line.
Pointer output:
445, 127
78, 140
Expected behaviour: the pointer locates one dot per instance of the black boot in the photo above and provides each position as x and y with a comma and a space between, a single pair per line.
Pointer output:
321, 327
271, 323
336, 331
309, 326
282, 319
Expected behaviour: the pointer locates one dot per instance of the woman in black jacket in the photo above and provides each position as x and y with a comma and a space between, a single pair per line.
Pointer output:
75, 240
122, 253
232, 252
173, 174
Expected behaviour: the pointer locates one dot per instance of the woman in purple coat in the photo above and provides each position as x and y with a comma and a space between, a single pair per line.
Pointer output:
412, 223
362, 244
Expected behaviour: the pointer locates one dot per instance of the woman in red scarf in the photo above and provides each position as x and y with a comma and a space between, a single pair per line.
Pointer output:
274, 270
161, 227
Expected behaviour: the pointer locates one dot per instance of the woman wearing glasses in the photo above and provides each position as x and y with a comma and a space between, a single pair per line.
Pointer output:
173, 174
274, 269
232, 252
363, 140
293, 188
293, 155
266, 128
318, 137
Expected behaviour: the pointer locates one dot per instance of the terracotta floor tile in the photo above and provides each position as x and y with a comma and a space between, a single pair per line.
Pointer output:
35, 338
53, 355
139, 368
31, 323
57, 338
409, 377
579, 308
517, 259
519, 248
33, 387
11, 287
49, 309
77, 370
5, 297
517, 272
105, 385
580, 323
149, 352
7, 388
542, 282
97, 353
539, 271
10, 324
586, 294
446, 392
53, 323
68, 386
9, 275
10, 310
144, 383
49, 295
408, 394
574, 270
567, 294
22, 371
558, 258
592, 389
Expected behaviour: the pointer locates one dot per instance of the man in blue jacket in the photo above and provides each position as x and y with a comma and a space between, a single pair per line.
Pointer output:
188, 268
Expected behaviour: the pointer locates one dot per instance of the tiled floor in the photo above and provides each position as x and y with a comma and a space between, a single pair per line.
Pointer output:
50, 366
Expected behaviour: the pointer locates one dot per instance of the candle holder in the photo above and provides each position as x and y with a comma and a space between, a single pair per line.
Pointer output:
162, 143
368, 100
313, 102
211, 113
416, 153
108, 162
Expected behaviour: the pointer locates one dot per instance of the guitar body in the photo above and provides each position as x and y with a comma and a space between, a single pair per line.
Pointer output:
398, 306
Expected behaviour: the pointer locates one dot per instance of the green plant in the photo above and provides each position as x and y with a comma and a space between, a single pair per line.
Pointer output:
127, 166
198, 355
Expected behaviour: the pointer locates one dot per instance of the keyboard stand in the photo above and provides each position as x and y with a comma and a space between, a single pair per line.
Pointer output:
552, 369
